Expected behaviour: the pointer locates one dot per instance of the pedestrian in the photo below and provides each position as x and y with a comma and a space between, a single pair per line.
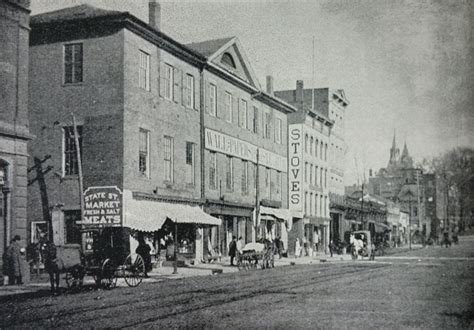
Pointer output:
278, 246
316, 240
297, 248
446, 241
331, 247
14, 261
143, 250
232, 250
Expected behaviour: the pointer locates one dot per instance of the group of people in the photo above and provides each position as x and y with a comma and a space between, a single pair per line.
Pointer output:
303, 247
236, 247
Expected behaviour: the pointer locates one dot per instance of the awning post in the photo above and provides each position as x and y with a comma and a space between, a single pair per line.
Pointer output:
175, 253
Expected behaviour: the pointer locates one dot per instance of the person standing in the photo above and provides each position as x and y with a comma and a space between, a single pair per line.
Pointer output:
232, 250
14, 261
143, 250
316, 240
297, 248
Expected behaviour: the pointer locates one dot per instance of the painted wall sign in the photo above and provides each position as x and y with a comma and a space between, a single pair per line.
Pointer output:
229, 145
295, 173
102, 207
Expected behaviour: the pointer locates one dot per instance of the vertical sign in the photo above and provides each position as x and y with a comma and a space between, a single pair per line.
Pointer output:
295, 159
103, 207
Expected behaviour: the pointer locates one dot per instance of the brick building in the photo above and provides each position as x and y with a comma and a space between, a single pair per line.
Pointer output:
330, 106
14, 130
170, 125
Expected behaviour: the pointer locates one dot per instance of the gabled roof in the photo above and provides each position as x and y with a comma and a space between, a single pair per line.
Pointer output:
209, 47
72, 13
407, 191
214, 48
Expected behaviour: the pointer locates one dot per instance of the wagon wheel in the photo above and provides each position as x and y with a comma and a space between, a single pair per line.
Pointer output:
108, 280
133, 270
240, 262
74, 277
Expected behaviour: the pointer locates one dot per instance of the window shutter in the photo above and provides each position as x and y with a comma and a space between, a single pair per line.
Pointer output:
197, 93
176, 86
249, 116
235, 110
221, 103
239, 114
206, 96
161, 79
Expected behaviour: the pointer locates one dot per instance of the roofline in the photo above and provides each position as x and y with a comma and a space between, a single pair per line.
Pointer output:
167, 43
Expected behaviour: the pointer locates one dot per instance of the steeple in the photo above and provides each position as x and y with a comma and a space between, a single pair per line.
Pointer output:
394, 154
405, 159
405, 151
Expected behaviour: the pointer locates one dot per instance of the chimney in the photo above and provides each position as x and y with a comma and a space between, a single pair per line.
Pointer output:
270, 85
154, 14
299, 93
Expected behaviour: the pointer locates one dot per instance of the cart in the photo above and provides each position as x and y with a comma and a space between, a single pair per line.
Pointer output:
368, 249
256, 255
104, 262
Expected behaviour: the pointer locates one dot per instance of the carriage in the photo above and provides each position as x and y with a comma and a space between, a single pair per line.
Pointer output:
367, 250
257, 255
105, 263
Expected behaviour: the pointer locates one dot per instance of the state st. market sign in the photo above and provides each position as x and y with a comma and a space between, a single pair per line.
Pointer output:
102, 207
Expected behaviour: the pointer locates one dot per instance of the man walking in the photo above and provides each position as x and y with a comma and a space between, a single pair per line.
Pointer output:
232, 250
14, 261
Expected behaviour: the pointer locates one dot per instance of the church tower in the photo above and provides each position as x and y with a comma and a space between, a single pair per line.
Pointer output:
406, 160
394, 155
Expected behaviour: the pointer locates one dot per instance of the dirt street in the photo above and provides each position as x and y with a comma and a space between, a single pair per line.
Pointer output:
427, 288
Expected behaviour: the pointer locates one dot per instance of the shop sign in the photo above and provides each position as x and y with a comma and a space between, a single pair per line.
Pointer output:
102, 207
295, 158
234, 147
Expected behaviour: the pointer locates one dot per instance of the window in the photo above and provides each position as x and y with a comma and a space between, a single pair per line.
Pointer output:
73, 63
311, 174
316, 204
245, 175
326, 151
321, 214
267, 177
306, 143
213, 100
229, 178
144, 71
311, 146
228, 60
306, 172
321, 150
213, 171
278, 131
70, 165
278, 182
73, 230
143, 152
316, 175
188, 91
168, 159
321, 178
228, 107
254, 175
311, 203
168, 81
325, 178
306, 203
243, 114
316, 148
190, 175
255, 120
268, 125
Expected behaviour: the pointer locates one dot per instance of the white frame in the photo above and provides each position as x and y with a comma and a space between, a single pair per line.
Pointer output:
146, 68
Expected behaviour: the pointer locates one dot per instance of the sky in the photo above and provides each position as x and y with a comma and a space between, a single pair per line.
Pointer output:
406, 66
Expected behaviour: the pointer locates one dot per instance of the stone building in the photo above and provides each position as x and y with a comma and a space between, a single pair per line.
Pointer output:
14, 128
177, 128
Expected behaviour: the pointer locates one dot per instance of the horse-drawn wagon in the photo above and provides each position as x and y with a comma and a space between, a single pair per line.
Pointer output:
257, 255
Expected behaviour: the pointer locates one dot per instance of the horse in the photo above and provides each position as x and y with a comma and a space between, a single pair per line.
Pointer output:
59, 260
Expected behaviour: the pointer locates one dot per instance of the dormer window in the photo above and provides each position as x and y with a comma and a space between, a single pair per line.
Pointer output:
228, 60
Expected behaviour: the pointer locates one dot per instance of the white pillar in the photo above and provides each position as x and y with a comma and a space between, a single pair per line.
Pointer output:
199, 246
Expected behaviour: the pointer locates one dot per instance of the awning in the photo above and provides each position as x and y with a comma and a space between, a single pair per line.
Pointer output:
149, 216
381, 227
281, 214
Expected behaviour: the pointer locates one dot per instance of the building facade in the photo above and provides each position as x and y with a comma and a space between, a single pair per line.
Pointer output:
14, 127
326, 152
170, 125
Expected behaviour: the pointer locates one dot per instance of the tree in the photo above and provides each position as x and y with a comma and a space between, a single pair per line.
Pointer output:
454, 172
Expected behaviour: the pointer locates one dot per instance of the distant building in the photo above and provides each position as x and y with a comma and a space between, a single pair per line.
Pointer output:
14, 128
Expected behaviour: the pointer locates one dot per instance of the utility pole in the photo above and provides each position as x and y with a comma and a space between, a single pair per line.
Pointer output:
420, 211
257, 195
362, 208
409, 224
80, 178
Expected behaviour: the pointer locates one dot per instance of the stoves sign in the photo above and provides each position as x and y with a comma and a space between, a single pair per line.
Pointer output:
102, 207
295, 160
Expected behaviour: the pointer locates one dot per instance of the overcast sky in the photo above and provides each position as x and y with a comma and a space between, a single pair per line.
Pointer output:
404, 65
